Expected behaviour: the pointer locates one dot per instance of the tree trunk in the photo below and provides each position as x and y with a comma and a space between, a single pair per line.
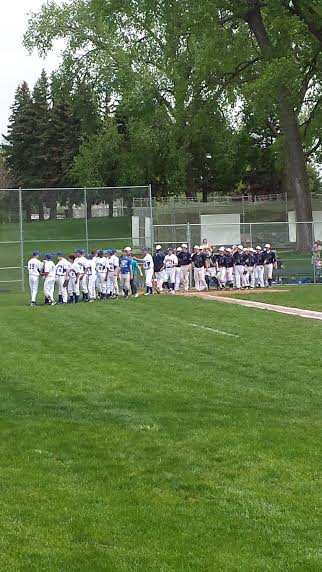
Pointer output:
70, 213
28, 212
190, 183
290, 128
89, 209
41, 210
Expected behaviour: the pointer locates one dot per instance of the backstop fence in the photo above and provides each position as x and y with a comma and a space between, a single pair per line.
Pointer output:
103, 217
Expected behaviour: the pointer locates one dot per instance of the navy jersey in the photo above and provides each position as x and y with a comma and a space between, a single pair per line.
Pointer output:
230, 261
251, 260
239, 258
125, 264
184, 258
270, 257
260, 258
221, 261
158, 259
199, 260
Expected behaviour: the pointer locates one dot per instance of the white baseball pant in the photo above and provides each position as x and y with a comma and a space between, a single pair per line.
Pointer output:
170, 275
149, 278
239, 276
125, 281
101, 282
159, 276
185, 273
268, 273
259, 276
177, 278
111, 284
222, 275
199, 277
84, 284
62, 290
251, 276
73, 287
49, 286
34, 285
92, 287
230, 276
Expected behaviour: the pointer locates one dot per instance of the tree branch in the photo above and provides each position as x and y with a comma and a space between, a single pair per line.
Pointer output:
314, 148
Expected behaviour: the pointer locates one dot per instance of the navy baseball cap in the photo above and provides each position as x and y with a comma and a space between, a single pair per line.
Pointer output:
170, 249
110, 251
113, 250
145, 249
59, 253
36, 253
100, 251
48, 255
79, 250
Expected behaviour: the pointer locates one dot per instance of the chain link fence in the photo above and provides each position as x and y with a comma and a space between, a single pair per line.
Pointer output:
64, 219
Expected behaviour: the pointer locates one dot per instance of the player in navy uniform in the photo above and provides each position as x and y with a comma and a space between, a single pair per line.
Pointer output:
200, 263
230, 261
259, 270
251, 267
184, 262
221, 268
158, 260
269, 264
239, 268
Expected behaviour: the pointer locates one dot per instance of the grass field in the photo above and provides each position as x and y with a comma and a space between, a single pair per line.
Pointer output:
308, 297
132, 441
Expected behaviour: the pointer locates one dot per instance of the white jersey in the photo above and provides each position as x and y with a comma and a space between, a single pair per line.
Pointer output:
115, 260
110, 264
100, 264
62, 267
35, 267
50, 268
148, 262
90, 267
74, 269
170, 261
81, 261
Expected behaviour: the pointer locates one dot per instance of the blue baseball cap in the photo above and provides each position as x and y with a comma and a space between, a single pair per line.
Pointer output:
90, 257
36, 253
100, 251
113, 250
59, 253
145, 249
170, 249
110, 251
48, 255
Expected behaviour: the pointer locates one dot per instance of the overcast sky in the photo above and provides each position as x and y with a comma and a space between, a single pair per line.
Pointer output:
16, 64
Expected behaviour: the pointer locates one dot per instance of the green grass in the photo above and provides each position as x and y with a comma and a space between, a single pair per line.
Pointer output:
308, 297
132, 441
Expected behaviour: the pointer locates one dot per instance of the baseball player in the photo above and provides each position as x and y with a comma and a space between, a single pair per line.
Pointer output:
158, 261
230, 261
269, 264
115, 260
239, 268
49, 273
136, 270
125, 272
74, 274
101, 274
112, 270
81, 261
259, 270
184, 263
178, 271
90, 274
251, 267
200, 263
62, 268
221, 268
35, 270
170, 263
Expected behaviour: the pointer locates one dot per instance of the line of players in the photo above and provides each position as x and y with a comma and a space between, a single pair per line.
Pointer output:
100, 274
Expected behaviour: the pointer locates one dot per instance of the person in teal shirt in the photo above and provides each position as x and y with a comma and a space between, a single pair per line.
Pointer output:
136, 271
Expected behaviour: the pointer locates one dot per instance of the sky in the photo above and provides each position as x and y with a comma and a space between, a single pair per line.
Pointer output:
16, 64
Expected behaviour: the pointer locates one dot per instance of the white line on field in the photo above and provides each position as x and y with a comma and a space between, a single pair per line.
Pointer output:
215, 331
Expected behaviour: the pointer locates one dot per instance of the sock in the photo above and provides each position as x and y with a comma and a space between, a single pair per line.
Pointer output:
270, 282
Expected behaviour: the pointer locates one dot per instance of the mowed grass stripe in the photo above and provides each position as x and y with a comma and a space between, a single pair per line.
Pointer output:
132, 441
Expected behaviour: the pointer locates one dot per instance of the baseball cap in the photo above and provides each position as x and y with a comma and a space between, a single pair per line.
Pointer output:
109, 251
267, 245
197, 247
158, 247
240, 247
184, 245
48, 255
78, 250
222, 249
127, 249
113, 250
170, 249
36, 253
145, 249
179, 249
258, 248
100, 251
228, 249
59, 253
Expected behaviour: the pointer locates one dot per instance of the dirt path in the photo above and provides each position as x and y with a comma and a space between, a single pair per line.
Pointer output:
222, 297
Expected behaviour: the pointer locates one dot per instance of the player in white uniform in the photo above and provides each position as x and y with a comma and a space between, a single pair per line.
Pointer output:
116, 263
83, 281
49, 272
101, 274
35, 270
90, 272
74, 274
148, 266
170, 262
62, 268
110, 276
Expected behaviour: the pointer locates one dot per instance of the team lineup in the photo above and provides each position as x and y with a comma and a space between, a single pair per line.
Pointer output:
103, 275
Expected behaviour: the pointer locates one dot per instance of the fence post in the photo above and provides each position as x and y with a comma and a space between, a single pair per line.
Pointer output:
189, 248
251, 234
151, 216
21, 241
86, 222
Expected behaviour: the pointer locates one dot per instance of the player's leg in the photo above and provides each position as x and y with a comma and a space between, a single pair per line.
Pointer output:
237, 277
76, 291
